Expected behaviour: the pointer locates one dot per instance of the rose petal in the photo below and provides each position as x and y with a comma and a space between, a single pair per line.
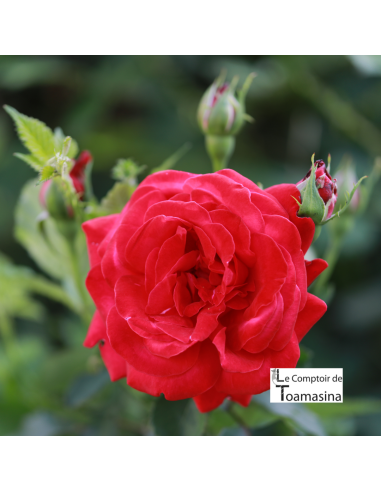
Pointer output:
96, 230
115, 364
191, 212
134, 216
170, 252
261, 341
240, 361
131, 297
270, 271
132, 348
234, 196
100, 291
160, 298
314, 268
284, 334
286, 234
150, 235
96, 331
201, 377
208, 401
259, 381
312, 312
113, 263
169, 182
239, 231
181, 295
285, 194
150, 280
207, 322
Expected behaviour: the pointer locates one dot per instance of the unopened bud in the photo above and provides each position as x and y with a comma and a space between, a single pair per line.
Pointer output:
319, 193
221, 115
78, 174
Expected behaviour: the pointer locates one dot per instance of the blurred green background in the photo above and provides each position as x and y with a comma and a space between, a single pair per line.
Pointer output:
144, 108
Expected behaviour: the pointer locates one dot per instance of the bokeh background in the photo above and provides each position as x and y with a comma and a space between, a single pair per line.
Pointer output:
144, 108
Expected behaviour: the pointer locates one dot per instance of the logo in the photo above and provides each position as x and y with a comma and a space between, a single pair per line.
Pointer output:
306, 385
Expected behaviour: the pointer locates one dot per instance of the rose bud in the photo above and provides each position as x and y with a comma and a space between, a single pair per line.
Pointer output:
221, 114
319, 193
52, 199
200, 285
77, 172
52, 194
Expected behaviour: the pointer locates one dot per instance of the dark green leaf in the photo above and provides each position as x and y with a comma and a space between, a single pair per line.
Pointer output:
348, 408
85, 387
294, 413
177, 418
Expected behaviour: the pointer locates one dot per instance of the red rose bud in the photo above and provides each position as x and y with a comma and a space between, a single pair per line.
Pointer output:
319, 196
221, 114
77, 173
52, 195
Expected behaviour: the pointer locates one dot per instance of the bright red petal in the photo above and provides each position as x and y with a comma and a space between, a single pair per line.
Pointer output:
312, 312
314, 268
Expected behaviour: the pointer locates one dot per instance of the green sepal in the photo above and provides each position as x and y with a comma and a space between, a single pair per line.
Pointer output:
347, 201
47, 172
312, 204
59, 139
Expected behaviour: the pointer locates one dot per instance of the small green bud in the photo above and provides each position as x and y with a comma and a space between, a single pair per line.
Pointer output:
221, 115
53, 199
319, 193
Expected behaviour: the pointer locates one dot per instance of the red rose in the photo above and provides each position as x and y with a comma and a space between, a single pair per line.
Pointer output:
200, 285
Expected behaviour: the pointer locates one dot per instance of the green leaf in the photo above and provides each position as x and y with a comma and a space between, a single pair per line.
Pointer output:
35, 135
294, 414
173, 159
18, 283
116, 198
127, 170
219, 420
15, 292
255, 416
46, 245
47, 173
177, 418
86, 386
33, 162
305, 358
348, 408
233, 431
